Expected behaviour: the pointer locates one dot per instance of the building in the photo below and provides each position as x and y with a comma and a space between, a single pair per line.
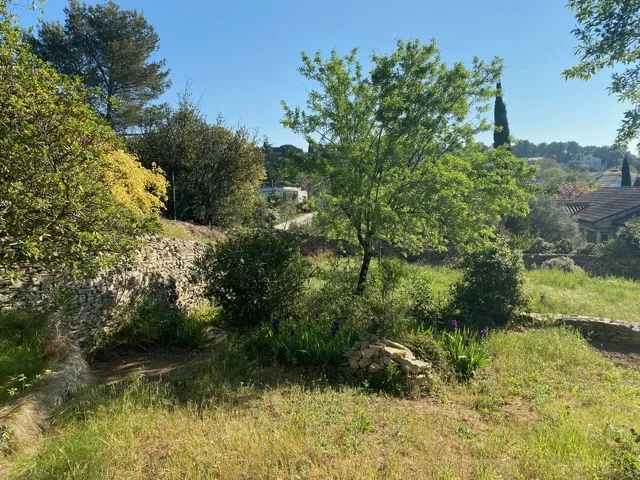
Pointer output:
601, 213
300, 195
590, 161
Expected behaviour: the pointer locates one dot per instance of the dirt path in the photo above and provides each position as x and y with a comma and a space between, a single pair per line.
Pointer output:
154, 364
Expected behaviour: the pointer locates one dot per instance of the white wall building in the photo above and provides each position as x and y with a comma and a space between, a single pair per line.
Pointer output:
592, 162
296, 192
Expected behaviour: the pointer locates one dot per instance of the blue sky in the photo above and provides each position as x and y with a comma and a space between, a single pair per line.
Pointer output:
242, 56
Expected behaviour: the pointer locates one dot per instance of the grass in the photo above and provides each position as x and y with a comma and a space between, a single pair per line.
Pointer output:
188, 231
555, 291
546, 407
22, 343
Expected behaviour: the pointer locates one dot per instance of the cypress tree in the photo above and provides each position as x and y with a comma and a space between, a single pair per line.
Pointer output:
626, 172
501, 135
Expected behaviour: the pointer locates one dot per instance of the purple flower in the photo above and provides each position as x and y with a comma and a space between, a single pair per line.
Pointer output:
275, 323
454, 326
483, 333
467, 342
335, 327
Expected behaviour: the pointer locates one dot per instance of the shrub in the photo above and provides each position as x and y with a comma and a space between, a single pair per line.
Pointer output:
626, 244
428, 348
254, 275
465, 350
565, 264
154, 322
492, 286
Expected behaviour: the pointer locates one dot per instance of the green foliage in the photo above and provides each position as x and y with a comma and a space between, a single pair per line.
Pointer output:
608, 32
466, 352
154, 323
501, 134
626, 173
626, 244
492, 286
636, 183
548, 222
396, 154
214, 170
308, 343
110, 50
57, 207
22, 341
254, 276
565, 264
427, 347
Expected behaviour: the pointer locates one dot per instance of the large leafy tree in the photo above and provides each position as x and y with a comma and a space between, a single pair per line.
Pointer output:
215, 170
395, 152
608, 34
68, 200
501, 133
111, 50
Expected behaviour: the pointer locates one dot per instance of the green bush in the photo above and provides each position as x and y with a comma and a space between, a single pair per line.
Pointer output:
425, 346
254, 275
155, 322
565, 264
466, 351
23, 336
492, 286
626, 244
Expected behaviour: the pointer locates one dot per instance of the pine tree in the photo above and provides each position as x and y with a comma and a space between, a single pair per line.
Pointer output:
501, 135
626, 173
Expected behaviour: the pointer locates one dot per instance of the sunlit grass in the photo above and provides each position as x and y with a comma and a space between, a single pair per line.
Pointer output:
547, 407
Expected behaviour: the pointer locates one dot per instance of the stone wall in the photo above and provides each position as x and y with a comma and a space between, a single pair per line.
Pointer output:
592, 264
162, 270
598, 329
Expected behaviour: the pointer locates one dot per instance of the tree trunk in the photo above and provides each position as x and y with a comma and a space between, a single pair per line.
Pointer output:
364, 270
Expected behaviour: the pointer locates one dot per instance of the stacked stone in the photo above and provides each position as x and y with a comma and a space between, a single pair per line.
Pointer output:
371, 354
163, 269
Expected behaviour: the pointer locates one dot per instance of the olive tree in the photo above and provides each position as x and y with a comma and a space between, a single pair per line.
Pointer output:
395, 154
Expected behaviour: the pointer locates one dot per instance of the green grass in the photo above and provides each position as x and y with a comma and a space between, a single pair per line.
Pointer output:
546, 407
22, 340
554, 291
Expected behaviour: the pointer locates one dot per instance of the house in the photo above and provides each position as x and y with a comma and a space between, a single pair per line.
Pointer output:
601, 213
590, 161
300, 195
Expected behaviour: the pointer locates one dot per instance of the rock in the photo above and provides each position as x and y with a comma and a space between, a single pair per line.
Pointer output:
364, 362
354, 365
353, 354
374, 368
370, 352
408, 365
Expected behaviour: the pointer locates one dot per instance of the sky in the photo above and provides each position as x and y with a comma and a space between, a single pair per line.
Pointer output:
241, 57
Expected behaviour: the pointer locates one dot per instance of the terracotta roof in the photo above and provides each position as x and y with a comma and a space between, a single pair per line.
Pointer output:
605, 203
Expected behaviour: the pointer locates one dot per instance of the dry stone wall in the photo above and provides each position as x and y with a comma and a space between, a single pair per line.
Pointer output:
599, 329
163, 270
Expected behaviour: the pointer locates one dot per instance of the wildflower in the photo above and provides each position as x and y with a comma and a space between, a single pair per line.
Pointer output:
467, 342
275, 323
483, 333
335, 327
454, 326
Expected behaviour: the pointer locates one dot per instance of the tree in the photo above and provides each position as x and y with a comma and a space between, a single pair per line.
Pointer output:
501, 134
68, 200
637, 182
110, 49
626, 173
395, 154
216, 170
608, 34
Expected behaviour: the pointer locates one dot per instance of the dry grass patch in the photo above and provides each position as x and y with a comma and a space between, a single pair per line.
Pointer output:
547, 407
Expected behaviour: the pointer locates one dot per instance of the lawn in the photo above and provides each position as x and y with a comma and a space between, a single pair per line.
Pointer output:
546, 407
555, 291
